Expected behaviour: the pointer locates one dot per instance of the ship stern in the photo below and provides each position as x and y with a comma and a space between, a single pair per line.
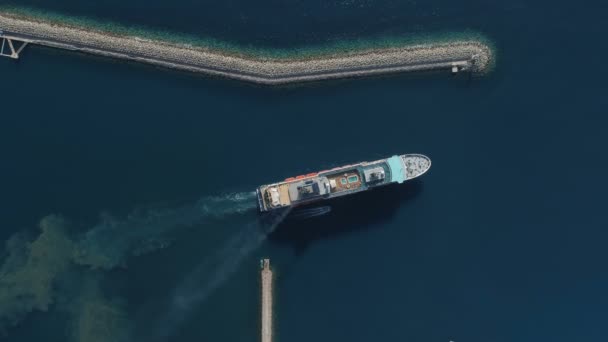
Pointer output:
261, 207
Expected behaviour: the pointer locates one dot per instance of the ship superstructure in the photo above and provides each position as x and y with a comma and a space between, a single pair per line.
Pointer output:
341, 181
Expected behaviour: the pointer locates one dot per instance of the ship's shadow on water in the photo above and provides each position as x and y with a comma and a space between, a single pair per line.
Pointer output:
349, 213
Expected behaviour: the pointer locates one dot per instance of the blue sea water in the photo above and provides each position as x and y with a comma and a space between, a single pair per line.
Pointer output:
504, 239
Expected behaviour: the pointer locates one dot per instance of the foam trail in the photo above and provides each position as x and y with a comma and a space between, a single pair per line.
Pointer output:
213, 272
111, 241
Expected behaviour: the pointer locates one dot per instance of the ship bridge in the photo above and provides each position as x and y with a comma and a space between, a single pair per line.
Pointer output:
308, 189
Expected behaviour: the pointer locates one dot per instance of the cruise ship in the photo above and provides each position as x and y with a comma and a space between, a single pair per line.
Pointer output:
341, 181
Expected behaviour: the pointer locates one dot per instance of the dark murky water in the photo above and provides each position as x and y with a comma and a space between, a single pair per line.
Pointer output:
504, 240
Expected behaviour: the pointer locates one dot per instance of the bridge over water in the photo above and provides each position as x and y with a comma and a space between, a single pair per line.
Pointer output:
11, 46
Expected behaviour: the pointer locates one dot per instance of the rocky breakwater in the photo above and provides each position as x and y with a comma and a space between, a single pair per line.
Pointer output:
471, 55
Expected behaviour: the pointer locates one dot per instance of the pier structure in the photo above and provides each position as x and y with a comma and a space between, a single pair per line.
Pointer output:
9, 47
266, 275
455, 56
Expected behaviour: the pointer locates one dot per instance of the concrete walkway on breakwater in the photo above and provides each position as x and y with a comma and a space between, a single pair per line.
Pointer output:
461, 55
266, 301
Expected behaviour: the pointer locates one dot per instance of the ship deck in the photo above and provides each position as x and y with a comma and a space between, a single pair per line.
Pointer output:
284, 193
346, 181
343, 180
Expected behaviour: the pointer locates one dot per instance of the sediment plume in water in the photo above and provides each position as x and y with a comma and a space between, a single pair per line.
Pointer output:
62, 270
30, 270
270, 68
38, 275
95, 316
212, 272
112, 241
